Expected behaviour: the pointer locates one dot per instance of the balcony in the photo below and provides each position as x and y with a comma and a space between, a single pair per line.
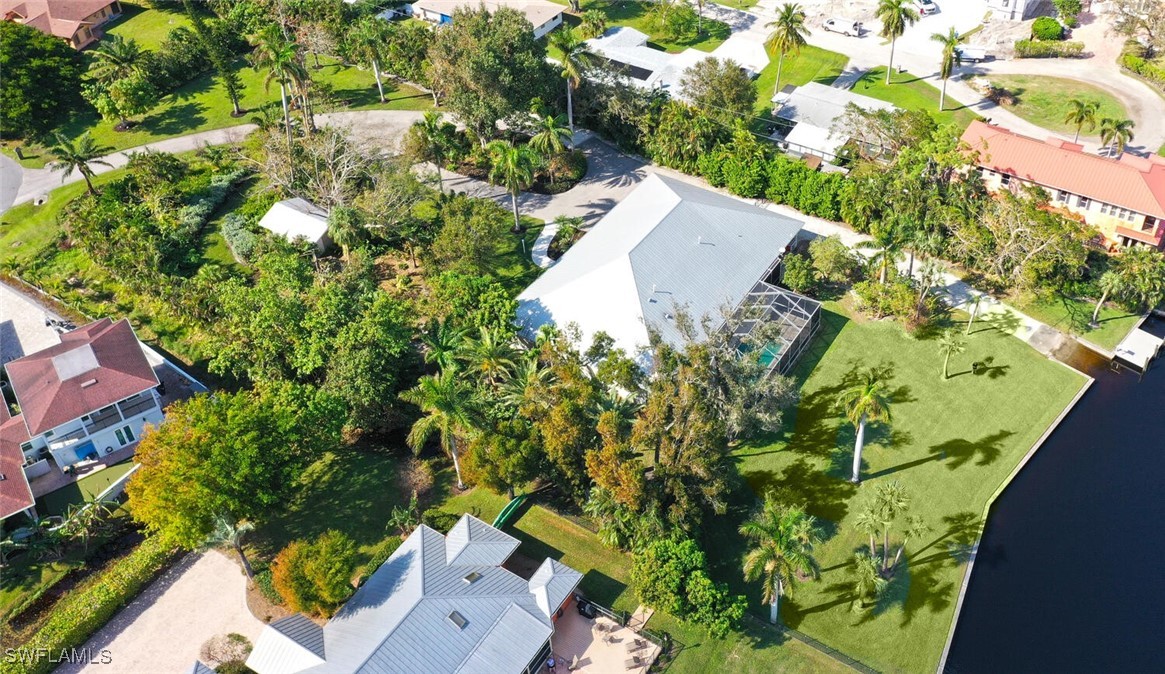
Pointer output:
103, 419
140, 405
70, 438
1153, 236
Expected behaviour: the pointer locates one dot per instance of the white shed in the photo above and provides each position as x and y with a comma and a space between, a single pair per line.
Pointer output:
298, 219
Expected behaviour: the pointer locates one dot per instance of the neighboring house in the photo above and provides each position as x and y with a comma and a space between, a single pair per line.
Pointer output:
80, 400
807, 116
627, 49
668, 249
74, 21
1123, 198
298, 220
544, 16
1012, 10
440, 604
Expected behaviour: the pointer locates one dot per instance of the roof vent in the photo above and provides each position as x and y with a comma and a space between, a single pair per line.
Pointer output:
88, 382
3, 477
458, 620
471, 577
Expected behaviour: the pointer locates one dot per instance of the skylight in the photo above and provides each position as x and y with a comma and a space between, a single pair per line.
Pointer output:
458, 620
471, 577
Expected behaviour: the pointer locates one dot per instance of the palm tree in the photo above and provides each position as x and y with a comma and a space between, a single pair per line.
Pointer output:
973, 305
924, 244
80, 156
512, 167
950, 57
789, 35
550, 138
276, 54
367, 40
867, 578
345, 228
442, 343
868, 523
85, 519
950, 344
1115, 134
865, 402
784, 537
1138, 275
896, 16
888, 242
890, 501
594, 24
488, 355
114, 58
447, 404
528, 376
1081, 114
576, 58
916, 527
230, 532
437, 136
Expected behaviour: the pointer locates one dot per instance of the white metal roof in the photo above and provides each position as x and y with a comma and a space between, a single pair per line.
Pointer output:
537, 12
820, 105
296, 219
1139, 348
819, 141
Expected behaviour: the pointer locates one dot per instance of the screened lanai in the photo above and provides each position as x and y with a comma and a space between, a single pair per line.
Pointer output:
777, 322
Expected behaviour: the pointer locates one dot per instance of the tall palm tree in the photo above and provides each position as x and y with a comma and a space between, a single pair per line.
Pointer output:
80, 155
789, 35
229, 532
437, 135
367, 41
276, 54
114, 58
783, 537
867, 579
868, 523
488, 355
576, 59
442, 342
896, 16
447, 403
550, 138
512, 167
916, 527
1115, 134
890, 501
973, 304
1137, 275
1081, 114
863, 403
345, 228
950, 57
950, 344
528, 376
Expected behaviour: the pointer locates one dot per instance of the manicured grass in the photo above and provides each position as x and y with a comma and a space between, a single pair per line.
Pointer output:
1044, 101
739, 4
756, 648
83, 490
813, 64
512, 263
25, 579
911, 92
951, 445
1071, 315
148, 26
26, 229
635, 15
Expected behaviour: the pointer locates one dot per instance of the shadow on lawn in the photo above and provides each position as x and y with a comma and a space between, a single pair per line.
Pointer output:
958, 452
826, 494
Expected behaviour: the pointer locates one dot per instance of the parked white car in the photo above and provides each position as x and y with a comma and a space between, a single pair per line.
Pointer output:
972, 54
847, 27
925, 7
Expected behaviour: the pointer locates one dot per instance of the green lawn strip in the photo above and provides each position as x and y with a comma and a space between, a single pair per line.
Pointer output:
215, 249
911, 92
1073, 316
813, 64
635, 15
1044, 101
27, 230
756, 648
148, 26
951, 444
25, 580
741, 4
82, 491
512, 264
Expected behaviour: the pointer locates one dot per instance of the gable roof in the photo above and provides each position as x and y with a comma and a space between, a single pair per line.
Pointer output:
667, 246
94, 366
296, 219
821, 105
15, 494
1135, 183
552, 583
60, 18
401, 620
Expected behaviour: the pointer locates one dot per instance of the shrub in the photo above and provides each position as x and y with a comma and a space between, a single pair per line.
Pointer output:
89, 606
380, 556
893, 298
315, 577
1047, 28
266, 584
671, 575
1032, 49
1151, 72
239, 236
799, 276
438, 519
832, 259
711, 167
713, 606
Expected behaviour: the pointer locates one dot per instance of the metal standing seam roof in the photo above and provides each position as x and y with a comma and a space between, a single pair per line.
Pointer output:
399, 620
1135, 183
667, 246
822, 105
552, 583
296, 219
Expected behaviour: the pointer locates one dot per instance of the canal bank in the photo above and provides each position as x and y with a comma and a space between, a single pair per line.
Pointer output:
1067, 575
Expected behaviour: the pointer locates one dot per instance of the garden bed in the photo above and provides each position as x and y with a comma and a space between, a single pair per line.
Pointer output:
568, 170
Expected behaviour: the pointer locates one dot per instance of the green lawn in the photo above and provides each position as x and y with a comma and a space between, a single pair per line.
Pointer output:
1161, 151
1044, 100
1073, 316
952, 444
813, 64
83, 490
148, 26
634, 15
911, 92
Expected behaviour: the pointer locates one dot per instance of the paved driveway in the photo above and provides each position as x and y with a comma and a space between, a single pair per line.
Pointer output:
162, 630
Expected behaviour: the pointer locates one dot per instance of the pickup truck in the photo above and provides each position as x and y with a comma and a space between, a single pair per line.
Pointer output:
972, 54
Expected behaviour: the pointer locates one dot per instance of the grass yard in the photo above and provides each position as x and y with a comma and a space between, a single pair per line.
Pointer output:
951, 445
149, 26
911, 92
635, 15
83, 490
26, 230
813, 64
1071, 315
1044, 100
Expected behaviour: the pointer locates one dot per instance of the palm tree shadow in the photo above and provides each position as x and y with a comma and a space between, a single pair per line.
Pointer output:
960, 451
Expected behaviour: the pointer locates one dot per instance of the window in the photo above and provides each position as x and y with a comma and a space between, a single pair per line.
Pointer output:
1005, 179
1149, 223
1103, 208
458, 620
26, 447
124, 435
1062, 196
1083, 202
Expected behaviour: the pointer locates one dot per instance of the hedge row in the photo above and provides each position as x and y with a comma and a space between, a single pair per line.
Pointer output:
89, 607
1035, 49
1151, 72
780, 179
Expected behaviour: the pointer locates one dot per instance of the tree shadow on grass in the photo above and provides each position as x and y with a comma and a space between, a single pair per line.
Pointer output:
175, 120
826, 496
958, 452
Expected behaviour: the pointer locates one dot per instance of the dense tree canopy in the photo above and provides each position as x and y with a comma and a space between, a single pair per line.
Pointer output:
41, 80
721, 89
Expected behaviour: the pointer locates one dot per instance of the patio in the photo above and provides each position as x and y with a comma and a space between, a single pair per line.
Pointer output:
601, 645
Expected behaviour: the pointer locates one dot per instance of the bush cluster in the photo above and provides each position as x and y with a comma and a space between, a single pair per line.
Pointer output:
672, 575
1148, 70
315, 577
87, 608
1047, 28
380, 556
193, 216
241, 239
1034, 49
439, 520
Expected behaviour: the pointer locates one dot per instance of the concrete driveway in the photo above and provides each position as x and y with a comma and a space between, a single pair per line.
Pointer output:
162, 630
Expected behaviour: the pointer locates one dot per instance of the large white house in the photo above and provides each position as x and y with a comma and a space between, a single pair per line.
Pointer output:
544, 16
672, 249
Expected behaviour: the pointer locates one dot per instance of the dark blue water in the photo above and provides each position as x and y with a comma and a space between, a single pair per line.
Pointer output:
1070, 575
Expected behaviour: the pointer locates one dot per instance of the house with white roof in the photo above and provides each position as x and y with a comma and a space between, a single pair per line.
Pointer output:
808, 115
670, 250
543, 16
439, 604
298, 220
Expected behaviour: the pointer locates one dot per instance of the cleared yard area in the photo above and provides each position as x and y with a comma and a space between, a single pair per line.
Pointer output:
911, 92
82, 491
1044, 101
1073, 316
813, 64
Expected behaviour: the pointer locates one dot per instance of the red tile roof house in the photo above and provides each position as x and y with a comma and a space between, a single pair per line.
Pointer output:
74, 21
1123, 198
83, 399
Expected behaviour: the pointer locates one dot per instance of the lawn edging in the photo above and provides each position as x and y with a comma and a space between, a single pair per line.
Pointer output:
942, 663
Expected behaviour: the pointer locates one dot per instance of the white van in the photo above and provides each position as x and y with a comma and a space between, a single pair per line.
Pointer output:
847, 27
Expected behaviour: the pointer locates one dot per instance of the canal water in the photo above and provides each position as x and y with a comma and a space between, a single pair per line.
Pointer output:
1070, 574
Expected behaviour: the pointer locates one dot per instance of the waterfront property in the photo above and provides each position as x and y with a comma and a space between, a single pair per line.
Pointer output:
544, 16
74, 21
680, 262
1123, 197
438, 604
